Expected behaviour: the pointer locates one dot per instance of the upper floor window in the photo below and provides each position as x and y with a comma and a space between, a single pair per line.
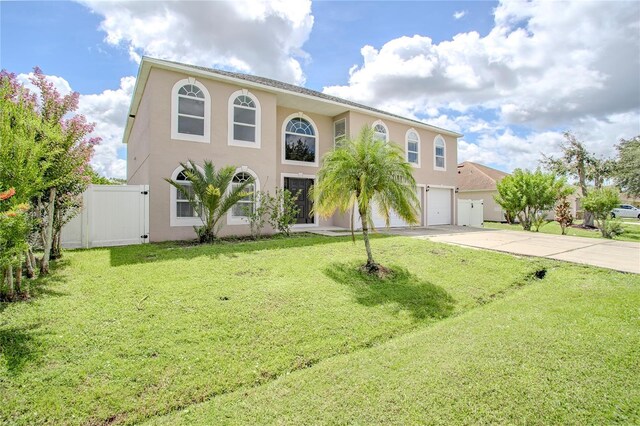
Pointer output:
300, 141
413, 147
244, 120
380, 131
190, 110
439, 153
339, 131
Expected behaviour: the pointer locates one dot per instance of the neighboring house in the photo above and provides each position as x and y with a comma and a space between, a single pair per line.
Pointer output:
272, 131
477, 182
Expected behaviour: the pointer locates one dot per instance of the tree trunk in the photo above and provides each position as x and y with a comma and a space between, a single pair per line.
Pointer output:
8, 273
29, 263
47, 231
18, 285
56, 250
365, 235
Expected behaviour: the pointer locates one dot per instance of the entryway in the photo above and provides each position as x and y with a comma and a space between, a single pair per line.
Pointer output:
301, 186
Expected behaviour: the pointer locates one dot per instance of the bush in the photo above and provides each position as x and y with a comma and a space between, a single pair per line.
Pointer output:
614, 227
283, 210
563, 215
600, 202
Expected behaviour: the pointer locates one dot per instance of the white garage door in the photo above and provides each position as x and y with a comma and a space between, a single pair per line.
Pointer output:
394, 220
439, 206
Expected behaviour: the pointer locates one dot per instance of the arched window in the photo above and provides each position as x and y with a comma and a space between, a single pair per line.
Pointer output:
191, 110
380, 131
182, 213
300, 141
439, 153
242, 209
413, 147
244, 119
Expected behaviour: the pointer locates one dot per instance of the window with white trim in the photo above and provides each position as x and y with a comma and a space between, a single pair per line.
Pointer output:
300, 141
413, 147
380, 131
439, 153
339, 131
190, 110
244, 119
183, 207
247, 205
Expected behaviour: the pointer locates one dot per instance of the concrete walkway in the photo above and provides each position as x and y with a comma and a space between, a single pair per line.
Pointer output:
618, 255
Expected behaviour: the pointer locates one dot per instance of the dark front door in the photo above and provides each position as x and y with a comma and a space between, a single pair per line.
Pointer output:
301, 186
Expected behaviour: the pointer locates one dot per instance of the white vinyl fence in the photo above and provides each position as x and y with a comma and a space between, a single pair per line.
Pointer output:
471, 213
112, 215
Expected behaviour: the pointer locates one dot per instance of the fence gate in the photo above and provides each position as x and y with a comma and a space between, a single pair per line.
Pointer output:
112, 215
471, 213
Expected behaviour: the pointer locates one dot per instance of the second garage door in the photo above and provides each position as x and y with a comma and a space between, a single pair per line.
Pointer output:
395, 221
439, 206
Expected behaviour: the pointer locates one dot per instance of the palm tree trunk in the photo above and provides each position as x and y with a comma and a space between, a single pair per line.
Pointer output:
365, 235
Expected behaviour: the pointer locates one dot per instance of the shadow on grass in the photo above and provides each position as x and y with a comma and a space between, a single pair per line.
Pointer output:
423, 299
18, 347
158, 252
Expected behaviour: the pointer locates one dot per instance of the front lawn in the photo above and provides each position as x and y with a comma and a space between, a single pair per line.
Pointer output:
631, 231
562, 350
123, 334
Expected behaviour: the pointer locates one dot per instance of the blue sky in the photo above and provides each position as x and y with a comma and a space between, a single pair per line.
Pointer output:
507, 75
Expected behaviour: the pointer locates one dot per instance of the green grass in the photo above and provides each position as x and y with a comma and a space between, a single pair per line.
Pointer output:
563, 350
631, 232
250, 332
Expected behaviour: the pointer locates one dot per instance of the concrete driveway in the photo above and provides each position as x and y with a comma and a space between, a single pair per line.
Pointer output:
618, 255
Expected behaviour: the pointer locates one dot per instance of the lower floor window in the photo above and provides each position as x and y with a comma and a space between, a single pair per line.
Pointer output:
183, 207
246, 206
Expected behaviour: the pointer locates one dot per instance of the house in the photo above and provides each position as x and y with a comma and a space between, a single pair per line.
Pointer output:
271, 131
478, 182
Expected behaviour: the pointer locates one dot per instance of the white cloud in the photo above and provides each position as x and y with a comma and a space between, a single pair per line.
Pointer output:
108, 110
459, 14
544, 65
258, 37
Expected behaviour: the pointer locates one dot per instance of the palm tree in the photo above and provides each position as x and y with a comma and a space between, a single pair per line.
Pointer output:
211, 194
361, 171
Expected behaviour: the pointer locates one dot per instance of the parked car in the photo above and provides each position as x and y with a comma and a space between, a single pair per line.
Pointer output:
626, 210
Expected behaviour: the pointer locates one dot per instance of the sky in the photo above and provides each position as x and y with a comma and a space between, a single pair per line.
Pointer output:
511, 76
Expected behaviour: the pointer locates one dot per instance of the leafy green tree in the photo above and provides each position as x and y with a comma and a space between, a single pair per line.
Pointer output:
528, 194
362, 171
601, 201
627, 168
580, 164
211, 194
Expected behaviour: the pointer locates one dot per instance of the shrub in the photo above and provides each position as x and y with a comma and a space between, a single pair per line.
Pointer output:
282, 209
600, 202
563, 215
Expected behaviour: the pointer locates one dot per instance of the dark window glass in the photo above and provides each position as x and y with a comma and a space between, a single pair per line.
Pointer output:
190, 125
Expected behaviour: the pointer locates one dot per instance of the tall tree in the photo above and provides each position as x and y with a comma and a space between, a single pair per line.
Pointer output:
627, 167
580, 164
363, 171
65, 135
211, 194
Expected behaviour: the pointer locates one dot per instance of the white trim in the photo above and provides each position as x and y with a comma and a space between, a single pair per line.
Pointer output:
243, 220
444, 147
316, 218
406, 147
174, 220
380, 122
258, 126
283, 144
206, 138
334, 130
423, 206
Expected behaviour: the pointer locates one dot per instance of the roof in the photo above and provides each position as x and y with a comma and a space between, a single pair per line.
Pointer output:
477, 177
262, 83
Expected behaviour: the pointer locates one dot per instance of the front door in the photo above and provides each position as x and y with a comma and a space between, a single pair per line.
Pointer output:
301, 186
